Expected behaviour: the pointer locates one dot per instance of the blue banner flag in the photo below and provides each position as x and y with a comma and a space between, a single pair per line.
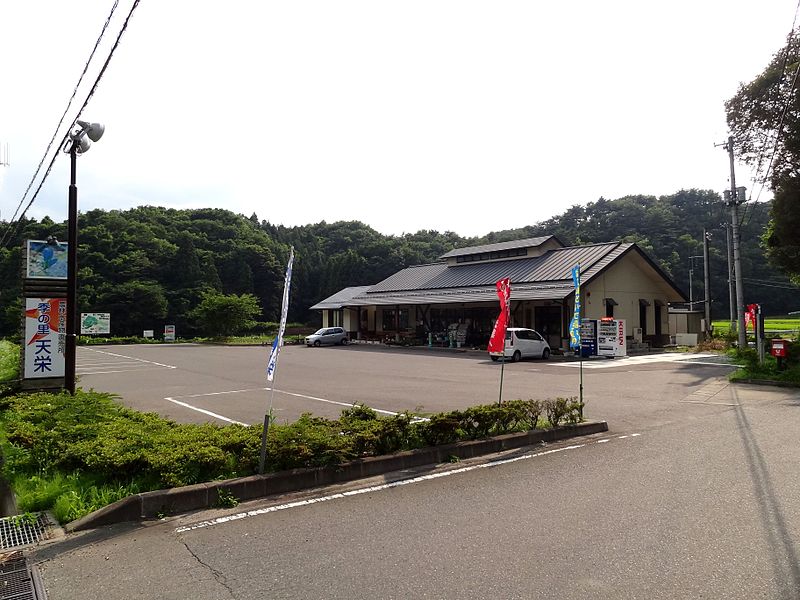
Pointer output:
575, 324
272, 364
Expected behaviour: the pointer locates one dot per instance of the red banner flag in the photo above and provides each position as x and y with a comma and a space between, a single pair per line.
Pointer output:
498, 340
750, 316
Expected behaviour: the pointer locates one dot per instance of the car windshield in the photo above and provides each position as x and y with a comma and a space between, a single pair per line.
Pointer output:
319, 331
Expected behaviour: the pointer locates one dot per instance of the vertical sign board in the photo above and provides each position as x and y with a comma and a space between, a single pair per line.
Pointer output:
169, 333
45, 337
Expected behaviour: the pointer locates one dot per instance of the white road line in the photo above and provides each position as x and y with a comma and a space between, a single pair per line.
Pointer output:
348, 404
266, 389
79, 372
369, 490
132, 358
261, 389
205, 412
603, 441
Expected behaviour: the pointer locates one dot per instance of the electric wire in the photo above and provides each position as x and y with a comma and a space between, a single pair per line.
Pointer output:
85, 102
752, 208
61, 120
770, 285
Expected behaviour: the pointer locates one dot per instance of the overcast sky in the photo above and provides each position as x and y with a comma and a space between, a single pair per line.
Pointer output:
449, 115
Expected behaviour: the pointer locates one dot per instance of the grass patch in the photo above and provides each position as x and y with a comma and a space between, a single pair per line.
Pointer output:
768, 370
9, 361
784, 323
73, 455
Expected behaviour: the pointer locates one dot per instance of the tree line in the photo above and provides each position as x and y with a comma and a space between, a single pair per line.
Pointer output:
149, 266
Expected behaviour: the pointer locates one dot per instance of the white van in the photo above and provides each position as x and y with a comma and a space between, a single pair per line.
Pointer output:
522, 343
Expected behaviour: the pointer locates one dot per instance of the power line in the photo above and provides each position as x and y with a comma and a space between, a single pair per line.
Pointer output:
61, 120
759, 161
85, 102
771, 285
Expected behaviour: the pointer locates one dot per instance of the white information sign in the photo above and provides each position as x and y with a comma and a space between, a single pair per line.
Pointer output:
45, 337
148, 333
611, 338
95, 323
169, 333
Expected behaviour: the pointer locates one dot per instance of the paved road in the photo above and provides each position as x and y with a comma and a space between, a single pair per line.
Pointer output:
702, 503
228, 383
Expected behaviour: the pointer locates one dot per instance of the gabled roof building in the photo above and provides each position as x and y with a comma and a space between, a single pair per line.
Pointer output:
617, 279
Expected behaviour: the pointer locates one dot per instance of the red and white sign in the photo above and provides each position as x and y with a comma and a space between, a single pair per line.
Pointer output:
498, 340
45, 337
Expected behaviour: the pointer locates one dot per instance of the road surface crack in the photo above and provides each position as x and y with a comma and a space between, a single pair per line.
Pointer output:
218, 575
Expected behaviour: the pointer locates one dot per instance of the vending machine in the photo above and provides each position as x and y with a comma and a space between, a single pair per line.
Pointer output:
588, 337
611, 337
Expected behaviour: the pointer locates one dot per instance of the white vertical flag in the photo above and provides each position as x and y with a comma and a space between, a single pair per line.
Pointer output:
276, 345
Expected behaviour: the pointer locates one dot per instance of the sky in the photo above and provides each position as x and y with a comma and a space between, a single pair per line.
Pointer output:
447, 115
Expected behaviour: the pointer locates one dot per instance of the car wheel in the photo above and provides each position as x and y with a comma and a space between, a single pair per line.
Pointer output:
344, 342
517, 356
317, 344
546, 354
494, 358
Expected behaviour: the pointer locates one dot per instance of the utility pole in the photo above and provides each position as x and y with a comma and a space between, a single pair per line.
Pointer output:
734, 197
707, 284
731, 298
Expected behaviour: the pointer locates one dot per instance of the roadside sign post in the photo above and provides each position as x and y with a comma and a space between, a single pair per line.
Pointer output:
169, 333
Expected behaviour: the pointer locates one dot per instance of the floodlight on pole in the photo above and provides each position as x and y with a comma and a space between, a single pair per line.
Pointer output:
80, 140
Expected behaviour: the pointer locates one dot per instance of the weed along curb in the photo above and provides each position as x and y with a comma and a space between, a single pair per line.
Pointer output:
207, 495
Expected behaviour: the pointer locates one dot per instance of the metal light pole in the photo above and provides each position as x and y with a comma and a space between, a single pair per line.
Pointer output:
79, 142
707, 284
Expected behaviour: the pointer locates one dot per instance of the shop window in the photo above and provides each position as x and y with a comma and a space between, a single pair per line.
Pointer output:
390, 319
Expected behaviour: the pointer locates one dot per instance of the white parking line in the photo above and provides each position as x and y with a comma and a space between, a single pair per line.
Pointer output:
277, 391
205, 412
132, 358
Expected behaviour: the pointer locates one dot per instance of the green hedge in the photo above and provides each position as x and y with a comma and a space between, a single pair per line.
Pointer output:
75, 454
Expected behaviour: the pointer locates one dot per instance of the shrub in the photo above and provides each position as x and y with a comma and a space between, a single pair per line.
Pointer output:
563, 410
76, 454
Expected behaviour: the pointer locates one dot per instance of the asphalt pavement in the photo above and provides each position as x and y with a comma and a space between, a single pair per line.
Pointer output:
700, 505
223, 384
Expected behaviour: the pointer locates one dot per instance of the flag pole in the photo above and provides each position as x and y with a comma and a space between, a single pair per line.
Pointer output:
580, 346
272, 365
502, 368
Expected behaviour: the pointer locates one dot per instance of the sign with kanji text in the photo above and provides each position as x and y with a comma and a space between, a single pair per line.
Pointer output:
169, 333
45, 337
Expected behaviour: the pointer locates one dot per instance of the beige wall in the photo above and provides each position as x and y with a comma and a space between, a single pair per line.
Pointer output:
628, 281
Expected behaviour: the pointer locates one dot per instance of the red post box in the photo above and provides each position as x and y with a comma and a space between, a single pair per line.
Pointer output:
778, 349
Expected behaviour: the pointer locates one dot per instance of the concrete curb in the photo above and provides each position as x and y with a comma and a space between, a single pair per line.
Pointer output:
205, 495
769, 382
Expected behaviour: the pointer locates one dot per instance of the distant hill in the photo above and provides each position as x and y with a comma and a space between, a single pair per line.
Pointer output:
149, 265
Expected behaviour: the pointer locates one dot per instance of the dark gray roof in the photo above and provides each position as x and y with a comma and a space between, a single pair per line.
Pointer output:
546, 277
341, 298
538, 291
555, 265
526, 243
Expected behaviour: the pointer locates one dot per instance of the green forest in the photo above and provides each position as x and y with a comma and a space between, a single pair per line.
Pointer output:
149, 265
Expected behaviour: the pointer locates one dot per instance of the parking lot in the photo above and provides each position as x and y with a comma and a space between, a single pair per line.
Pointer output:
200, 383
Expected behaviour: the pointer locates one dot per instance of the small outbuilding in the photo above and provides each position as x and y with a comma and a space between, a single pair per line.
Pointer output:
427, 303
